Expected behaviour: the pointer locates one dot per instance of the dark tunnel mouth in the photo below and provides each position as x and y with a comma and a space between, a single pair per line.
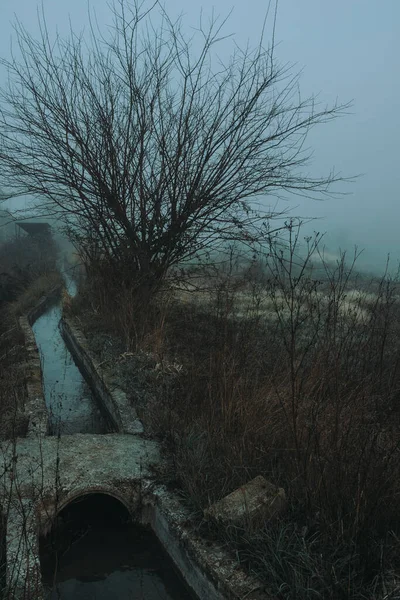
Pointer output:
84, 511
96, 495
92, 506
94, 539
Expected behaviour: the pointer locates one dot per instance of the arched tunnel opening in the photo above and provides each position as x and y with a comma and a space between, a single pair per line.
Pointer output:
94, 550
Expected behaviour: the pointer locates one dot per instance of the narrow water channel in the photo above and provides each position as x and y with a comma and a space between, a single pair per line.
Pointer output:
70, 403
94, 551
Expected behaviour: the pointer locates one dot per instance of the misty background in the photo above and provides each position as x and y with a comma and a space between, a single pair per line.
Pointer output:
347, 51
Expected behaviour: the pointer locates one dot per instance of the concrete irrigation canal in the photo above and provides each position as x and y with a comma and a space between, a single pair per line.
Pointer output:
71, 405
85, 514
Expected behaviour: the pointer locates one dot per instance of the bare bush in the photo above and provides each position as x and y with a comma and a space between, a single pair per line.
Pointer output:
148, 148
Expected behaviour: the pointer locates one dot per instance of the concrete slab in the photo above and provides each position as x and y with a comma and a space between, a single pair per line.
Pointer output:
75, 460
255, 502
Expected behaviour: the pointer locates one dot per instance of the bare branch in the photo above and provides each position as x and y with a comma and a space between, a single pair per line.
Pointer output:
147, 150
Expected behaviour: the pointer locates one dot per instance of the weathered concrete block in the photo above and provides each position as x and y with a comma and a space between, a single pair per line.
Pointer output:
206, 566
254, 503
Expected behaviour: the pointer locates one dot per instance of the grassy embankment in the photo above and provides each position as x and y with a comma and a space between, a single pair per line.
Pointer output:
286, 373
27, 272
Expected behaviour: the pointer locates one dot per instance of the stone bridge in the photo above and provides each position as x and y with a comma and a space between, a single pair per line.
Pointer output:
40, 476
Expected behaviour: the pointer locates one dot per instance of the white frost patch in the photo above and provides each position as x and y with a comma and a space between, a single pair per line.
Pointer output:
354, 305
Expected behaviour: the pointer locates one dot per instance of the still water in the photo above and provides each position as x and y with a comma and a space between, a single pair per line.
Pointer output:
95, 553
71, 406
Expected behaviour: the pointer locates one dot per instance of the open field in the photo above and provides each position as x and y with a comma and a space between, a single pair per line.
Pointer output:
290, 377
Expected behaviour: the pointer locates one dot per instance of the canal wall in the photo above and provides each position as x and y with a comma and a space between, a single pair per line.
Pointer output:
113, 400
35, 406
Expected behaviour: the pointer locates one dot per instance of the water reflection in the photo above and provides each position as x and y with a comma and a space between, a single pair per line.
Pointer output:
72, 409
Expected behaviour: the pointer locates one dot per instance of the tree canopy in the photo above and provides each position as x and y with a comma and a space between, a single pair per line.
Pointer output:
148, 148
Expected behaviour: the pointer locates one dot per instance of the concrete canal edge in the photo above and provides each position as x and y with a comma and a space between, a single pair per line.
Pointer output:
114, 401
205, 566
35, 405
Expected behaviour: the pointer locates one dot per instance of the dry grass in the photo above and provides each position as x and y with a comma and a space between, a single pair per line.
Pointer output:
13, 357
34, 292
29, 272
294, 378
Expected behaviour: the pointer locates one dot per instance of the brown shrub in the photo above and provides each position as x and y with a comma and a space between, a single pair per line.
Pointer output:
297, 389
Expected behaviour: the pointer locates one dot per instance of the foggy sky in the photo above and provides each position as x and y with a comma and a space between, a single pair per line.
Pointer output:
349, 50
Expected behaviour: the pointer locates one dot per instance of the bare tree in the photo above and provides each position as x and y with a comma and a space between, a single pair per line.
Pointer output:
145, 145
